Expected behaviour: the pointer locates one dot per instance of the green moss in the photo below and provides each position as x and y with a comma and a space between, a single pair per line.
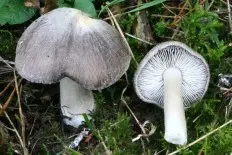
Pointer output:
160, 27
7, 45
117, 136
203, 31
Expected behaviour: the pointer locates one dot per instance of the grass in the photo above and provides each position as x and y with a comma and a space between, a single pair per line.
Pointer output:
37, 128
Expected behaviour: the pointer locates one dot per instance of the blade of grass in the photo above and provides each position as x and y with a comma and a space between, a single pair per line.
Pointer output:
90, 125
96, 133
147, 5
108, 5
144, 6
201, 138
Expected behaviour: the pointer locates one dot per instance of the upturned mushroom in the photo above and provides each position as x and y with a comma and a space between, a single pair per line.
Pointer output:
82, 53
173, 77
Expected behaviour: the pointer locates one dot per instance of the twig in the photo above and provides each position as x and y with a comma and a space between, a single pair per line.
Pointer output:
22, 122
210, 5
197, 118
5, 105
224, 20
7, 62
9, 98
175, 32
14, 129
35, 143
229, 16
227, 91
201, 138
139, 39
161, 151
143, 146
107, 18
124, 13
5, 70
164, 6
32, 126
140, 125
8, 128
103, 144
174, 29
174, 8
165, 37
176, 20
225, 3
7, 86
151, 132
162, 16
228, 109
121, 33
65, 146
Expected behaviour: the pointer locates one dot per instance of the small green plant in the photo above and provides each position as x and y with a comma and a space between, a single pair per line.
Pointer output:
44, 150
201, 32
7, 46
14, 12
160, 27
116, 136
127, 22
219, 143
86, 6
65, 3
10, 151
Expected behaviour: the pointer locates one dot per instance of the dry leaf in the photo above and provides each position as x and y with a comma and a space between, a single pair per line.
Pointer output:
142, 29
48, 6
32, 3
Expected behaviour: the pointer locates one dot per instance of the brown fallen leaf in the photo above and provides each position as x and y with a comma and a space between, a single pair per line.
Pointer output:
142, 29
32, 3
88, 138
48, 6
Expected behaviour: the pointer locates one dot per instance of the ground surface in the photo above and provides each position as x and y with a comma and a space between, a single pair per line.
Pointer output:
30, 118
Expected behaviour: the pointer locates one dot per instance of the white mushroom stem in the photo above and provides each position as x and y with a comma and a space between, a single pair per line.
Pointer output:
175, 123
75, 100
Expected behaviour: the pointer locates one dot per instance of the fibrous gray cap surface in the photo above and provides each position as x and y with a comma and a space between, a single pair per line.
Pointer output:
67, 43
148, 80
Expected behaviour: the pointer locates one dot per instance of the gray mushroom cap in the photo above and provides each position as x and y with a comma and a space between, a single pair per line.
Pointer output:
148, 80
67, 43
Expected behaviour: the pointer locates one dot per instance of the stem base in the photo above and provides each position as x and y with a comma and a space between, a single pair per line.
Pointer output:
75, 100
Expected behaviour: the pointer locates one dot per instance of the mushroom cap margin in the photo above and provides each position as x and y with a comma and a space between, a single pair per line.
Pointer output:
114, 57
154, 51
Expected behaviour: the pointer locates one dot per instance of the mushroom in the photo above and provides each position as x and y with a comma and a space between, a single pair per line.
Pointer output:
82, 53
173, 77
